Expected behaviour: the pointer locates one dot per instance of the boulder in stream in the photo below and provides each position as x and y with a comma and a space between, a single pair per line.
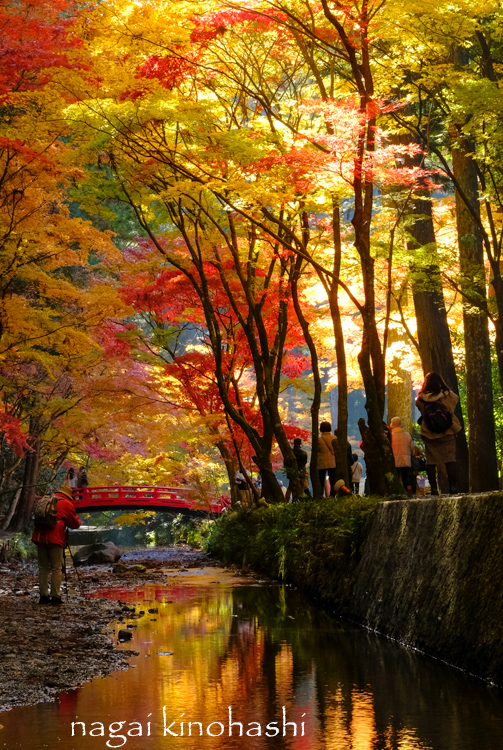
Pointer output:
101, 553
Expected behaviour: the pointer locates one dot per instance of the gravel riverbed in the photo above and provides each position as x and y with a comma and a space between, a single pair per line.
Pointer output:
45, 649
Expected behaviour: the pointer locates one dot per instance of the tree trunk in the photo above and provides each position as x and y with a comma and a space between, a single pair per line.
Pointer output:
435, 347
21, 519
12, 509
230, 465
399, 390
373, 461
342, 468
371, 362
482, 443
315, 367
271, 489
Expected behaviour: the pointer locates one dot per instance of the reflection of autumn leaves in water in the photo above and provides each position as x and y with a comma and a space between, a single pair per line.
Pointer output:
217, 661
258, 649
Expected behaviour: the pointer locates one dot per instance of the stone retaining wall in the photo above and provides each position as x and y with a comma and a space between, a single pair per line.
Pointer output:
431, 576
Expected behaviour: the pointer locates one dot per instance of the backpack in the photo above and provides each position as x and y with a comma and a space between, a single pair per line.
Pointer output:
437, 416
418, 463
45, 512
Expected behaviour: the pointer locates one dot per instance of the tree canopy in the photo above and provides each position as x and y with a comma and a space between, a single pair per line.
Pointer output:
212, 213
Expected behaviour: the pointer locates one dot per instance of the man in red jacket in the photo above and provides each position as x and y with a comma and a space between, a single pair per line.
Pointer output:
50, 544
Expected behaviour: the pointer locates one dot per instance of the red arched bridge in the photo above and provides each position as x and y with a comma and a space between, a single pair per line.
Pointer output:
145, 498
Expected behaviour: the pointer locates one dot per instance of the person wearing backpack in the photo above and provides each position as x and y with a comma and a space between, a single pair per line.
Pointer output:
439, 425
51, 522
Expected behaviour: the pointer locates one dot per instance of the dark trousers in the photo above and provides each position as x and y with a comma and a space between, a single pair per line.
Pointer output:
405, 473
452, 475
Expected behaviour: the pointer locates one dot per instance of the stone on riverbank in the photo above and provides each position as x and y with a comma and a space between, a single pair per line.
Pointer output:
100, 553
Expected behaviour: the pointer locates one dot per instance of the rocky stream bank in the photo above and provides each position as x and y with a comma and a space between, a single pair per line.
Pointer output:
45, 650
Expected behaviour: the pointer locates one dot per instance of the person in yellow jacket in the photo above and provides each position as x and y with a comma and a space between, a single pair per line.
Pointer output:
326, 457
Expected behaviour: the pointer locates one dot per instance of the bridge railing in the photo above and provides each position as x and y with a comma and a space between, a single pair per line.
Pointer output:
143, 497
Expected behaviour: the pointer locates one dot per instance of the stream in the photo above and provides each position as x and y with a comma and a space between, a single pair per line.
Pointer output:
231, 663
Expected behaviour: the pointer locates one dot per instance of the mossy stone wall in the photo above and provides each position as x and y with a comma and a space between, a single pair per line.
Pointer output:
428, 573
431, 576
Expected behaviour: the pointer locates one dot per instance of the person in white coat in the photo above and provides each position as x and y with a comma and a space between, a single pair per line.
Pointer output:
356, 473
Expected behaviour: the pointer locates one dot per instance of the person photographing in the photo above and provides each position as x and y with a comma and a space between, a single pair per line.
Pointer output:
54, 514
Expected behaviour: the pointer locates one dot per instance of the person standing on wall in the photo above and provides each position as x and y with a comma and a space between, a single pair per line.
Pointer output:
70, 478
326, 457
50, 545
403, 448
439, 425
301, 458
82, 480
356, 473
243, 481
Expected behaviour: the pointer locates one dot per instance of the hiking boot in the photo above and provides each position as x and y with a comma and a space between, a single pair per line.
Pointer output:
56, 600
44, 599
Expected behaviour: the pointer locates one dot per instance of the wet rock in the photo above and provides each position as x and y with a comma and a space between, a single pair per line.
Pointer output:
124, 635
119, 569
127, 571
97, 554
153, 611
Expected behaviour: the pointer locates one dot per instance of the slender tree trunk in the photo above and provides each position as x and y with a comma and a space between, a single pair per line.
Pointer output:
373, 461
371, 363
315, 367
399, 391
12, 509
342, 467
271, 489
435, 347
482, 443
498, 342
22, 516
230, 465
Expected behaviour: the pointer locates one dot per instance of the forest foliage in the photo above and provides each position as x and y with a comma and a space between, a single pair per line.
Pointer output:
213, 213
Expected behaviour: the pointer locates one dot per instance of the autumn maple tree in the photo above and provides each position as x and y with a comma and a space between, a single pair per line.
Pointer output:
51, 298
286, 169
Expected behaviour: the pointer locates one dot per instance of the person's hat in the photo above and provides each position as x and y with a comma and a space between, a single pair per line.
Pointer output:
341, 488
66, 490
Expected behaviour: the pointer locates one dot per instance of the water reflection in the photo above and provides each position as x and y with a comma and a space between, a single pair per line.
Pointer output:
272, 658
